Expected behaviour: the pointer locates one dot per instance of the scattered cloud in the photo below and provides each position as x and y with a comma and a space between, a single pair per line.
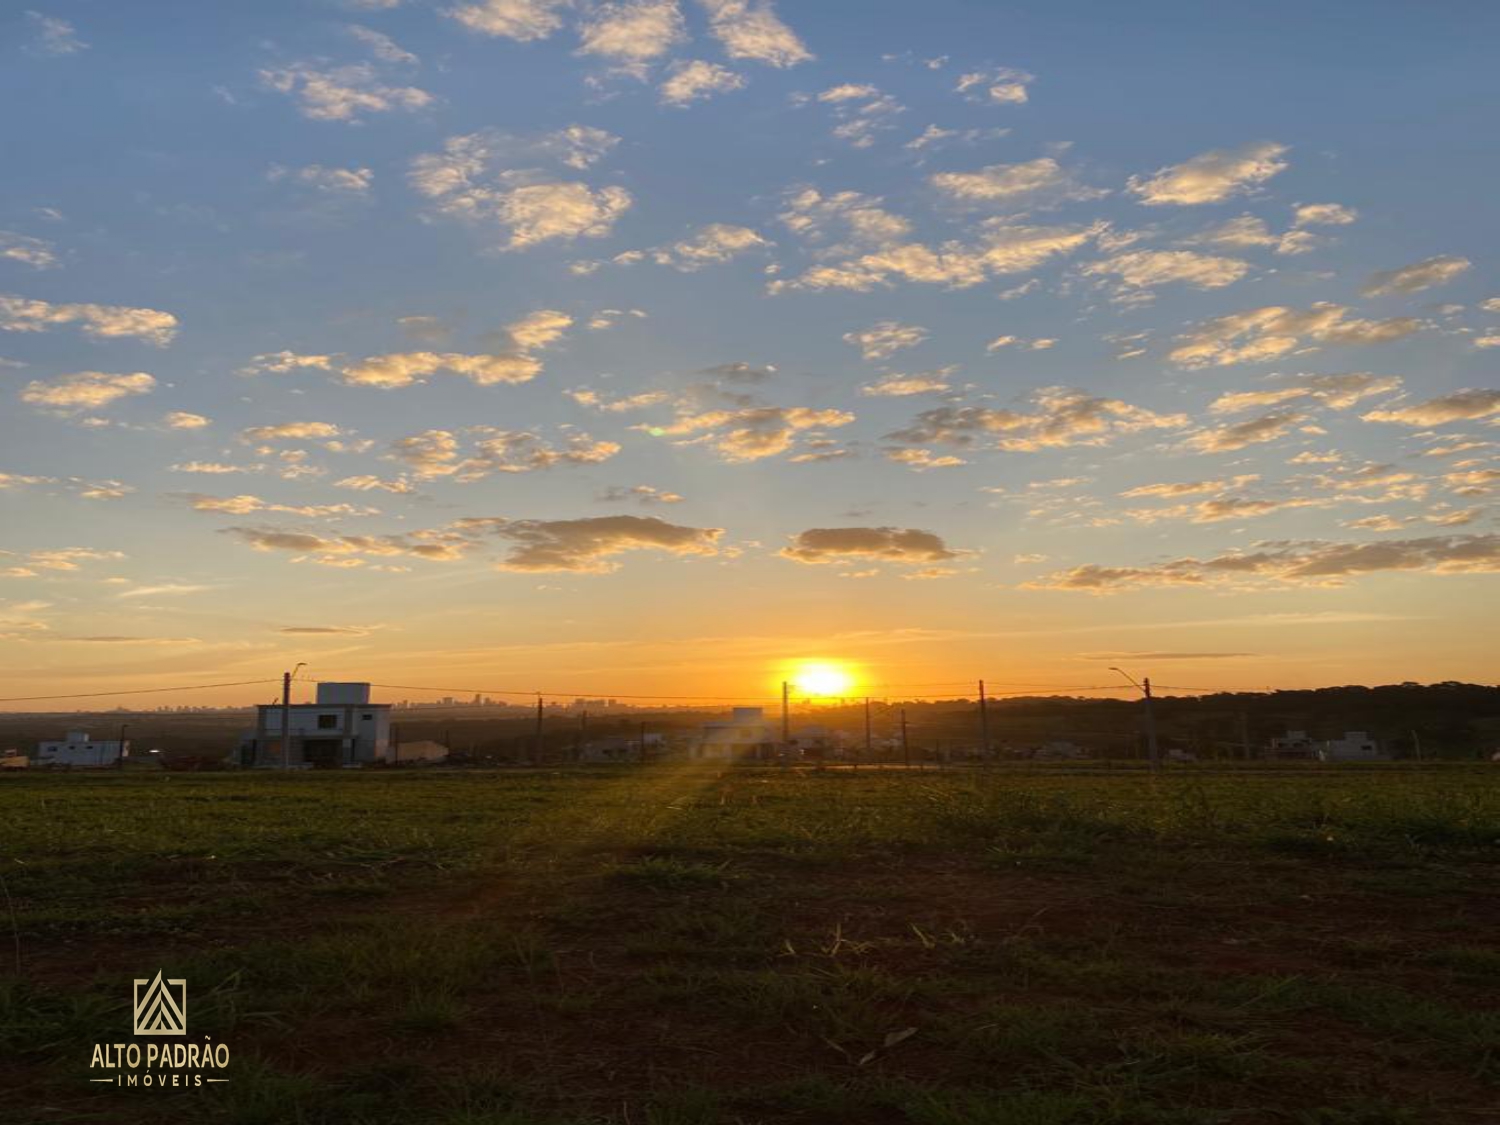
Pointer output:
1145, 269
1003, 86
640, 493
86, 390
1338, 392
1252, 431
632, 31
1267, 333
1212, 176
885, 339
695, 80
522, 20
33, 252
586, 546
709, 245
904, 545
104, 322
1060, 416
1416, 277
1308, 563
54, 36
342, 93
435, 454
1042, 181
750, 29
183, 420
345, 182
1459, 406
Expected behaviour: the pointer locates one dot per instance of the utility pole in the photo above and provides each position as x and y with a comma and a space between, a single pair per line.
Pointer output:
984, 725
1153, 751
1245, 735
286, 717
537, 754
1416, 742
786, 714
642, 732
869, 744
905, 745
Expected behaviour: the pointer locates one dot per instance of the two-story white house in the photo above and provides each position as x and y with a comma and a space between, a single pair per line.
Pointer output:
340, 728
745, 734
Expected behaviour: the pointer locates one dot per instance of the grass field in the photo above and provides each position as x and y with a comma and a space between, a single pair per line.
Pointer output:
690, 946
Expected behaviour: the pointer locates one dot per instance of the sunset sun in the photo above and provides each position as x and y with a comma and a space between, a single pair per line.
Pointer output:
822, 678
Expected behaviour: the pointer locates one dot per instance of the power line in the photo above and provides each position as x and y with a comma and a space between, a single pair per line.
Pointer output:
130, 691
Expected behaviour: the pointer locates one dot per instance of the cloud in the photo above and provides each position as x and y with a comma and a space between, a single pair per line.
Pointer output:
403, 369
1004, 86
282, 362
294, 430
1310, 563
1456, 407
1212, 176
327, 630
861, 110
886, 338
19, 314
165, 589
907, 546
440, 545
691, 81
1324, 215
858, 218
1252, 431
435, 454
87, 390
539, 329
1001, 248
243, 505
1416, 277
1043, 180
346, 182
748, 29
1061, 417
633, 31
750, 433
182, 420
522, 20
709, 245
382, 46
640, 493
55, 36
1257, 335
469, 181
28, 251
1037, 345
1143, 269
585, 546
342, 93
920, 460
1339, 392
898, 386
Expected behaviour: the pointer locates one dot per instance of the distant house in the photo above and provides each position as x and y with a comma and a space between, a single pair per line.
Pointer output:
14, 760
414, 753
617, 748
745, 734
818, 741
1355, 746
1295, 745
79, 750
340, 729
1059, 751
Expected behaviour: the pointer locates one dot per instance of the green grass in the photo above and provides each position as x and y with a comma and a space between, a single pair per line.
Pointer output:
684, 946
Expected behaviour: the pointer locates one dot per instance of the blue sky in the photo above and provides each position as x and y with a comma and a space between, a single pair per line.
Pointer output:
634, 345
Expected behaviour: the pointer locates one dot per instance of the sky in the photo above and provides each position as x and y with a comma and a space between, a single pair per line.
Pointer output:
643, 347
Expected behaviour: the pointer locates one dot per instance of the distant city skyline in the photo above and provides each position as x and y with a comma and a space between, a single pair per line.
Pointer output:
660, 346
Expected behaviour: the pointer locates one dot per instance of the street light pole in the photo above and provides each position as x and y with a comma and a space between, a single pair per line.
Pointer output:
1152, 749
286, 716
120, 758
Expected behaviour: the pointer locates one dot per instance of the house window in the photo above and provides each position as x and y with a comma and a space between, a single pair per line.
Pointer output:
328, 722
368, 718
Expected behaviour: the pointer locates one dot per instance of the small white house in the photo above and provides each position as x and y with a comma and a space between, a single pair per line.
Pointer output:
1355, 746
424, 751
340, 728
1059, 751
80, 750
745, 734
